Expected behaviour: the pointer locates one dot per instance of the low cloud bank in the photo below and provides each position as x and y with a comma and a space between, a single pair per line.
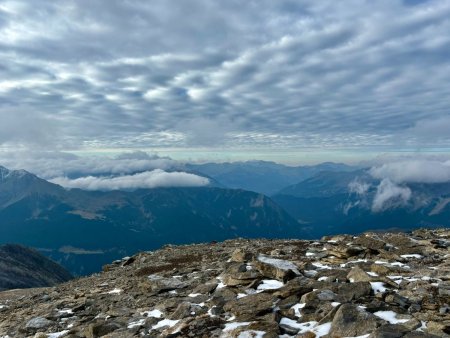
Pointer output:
52, 164
414, 171
150, 179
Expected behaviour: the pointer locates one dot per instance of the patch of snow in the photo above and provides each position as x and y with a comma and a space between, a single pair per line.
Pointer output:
115, 291
221, 283
392, 264
57, 334
165, 322
390, 316
412, 256
322, 330
252, 334
136, 323
323, 278
279, 263
153, 313
378, 287
297, 308
192, 295
210, 312
321, 266
65, 311
334, 304
173, 292
270, 284
423, 326
332, 241
241, 295
373, 274
303, 327
309, 254
343, 265
319, 330
234, 325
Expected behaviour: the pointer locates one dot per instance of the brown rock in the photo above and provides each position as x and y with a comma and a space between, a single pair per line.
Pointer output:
250, 307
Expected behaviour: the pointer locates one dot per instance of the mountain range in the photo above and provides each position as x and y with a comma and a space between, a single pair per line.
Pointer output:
85, 229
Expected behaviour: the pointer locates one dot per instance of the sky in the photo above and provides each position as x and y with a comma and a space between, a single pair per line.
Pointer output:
296, 82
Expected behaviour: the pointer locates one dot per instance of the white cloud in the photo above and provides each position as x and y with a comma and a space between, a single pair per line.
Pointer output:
414, 171
358, 187
390, 195
53, 164
150, 179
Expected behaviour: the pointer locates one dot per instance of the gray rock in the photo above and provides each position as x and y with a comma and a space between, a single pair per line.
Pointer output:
38, 323
275, 268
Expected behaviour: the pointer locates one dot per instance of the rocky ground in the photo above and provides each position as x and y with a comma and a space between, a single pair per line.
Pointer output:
373, 285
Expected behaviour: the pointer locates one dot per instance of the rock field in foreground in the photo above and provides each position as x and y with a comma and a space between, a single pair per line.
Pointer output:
372, 285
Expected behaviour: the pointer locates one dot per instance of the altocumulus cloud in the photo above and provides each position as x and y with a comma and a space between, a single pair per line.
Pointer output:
146, 74
151, 179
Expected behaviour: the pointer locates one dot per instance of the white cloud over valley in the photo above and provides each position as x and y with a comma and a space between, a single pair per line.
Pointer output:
151, 179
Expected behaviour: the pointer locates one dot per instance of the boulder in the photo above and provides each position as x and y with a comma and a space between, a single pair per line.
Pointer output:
357, 274
352, 321
250, 307
275, 268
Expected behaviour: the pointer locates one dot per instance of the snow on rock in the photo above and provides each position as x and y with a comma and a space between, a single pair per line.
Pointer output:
270, 284
136, 323
417, 256
279, 263
321, 266
165, 322
319, 330
378, 287
390, 316
115, 291
297, 308
234, 325
57, 334
193, 295
252, 334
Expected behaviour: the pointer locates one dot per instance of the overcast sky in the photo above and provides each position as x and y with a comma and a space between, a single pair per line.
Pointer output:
233, 79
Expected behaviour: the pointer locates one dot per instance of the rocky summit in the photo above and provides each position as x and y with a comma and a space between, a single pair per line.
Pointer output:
373, 285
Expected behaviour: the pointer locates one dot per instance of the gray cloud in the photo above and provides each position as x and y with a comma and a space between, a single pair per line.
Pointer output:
270, 74
150, 179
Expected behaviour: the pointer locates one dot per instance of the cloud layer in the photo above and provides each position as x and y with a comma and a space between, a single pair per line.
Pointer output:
150, 179
269, 74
